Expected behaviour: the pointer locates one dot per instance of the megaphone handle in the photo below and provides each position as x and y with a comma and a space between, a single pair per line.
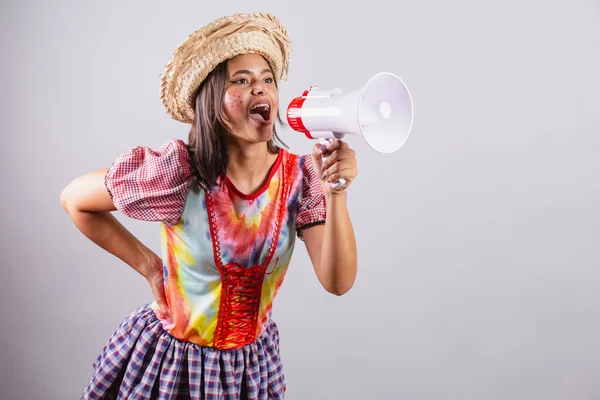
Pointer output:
339, 182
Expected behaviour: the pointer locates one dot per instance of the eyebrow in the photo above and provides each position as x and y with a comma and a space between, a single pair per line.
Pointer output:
245, 71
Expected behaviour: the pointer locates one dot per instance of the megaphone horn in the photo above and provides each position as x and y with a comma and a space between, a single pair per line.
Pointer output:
381, 112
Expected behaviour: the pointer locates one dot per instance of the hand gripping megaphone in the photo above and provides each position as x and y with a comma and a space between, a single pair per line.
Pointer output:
381, 112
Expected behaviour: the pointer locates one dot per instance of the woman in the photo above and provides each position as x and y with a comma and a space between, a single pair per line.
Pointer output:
230, 204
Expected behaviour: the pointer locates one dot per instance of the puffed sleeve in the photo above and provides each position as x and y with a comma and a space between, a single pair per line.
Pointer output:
151, 185
312, 207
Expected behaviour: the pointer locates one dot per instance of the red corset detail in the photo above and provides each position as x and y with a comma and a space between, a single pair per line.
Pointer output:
241, 287
240, 302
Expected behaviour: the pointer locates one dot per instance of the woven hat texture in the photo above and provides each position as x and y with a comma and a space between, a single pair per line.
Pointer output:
222, 39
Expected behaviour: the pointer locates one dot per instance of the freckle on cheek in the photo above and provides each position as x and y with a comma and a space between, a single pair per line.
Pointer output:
230, 102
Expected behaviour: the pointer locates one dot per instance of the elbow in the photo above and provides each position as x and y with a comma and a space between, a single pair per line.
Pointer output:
67, 200
339, 290
338, 293
339, 283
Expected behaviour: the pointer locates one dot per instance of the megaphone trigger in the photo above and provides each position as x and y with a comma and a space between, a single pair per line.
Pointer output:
340, 182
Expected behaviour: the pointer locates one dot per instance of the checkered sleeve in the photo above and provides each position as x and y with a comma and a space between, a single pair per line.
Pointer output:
151, 185
312, 207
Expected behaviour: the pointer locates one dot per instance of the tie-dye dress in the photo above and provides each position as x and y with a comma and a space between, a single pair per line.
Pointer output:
225, 255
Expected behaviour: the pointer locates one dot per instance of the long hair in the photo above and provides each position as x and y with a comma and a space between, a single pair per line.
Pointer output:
206, 142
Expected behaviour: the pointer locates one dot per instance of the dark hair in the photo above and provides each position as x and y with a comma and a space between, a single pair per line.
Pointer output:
206, 143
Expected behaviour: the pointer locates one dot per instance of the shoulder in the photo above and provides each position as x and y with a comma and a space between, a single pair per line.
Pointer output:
302, 162
303, 176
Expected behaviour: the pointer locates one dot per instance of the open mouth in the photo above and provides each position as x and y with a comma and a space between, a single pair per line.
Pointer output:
260, 112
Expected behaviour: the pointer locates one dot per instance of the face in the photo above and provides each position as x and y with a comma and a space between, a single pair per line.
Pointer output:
251, 99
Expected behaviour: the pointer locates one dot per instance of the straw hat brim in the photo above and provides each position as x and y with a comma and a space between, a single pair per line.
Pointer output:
222, 39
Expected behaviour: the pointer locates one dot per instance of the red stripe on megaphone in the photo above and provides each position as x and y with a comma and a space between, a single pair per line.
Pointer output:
294, 114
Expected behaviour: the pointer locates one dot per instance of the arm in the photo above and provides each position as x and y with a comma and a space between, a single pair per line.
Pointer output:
89, 205
332, 247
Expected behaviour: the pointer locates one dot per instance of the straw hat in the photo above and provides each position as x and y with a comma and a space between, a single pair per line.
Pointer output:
224, 38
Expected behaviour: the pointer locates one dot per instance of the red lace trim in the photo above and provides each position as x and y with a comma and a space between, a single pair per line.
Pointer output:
242, 286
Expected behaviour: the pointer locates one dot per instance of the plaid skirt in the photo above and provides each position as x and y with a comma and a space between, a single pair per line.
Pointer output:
143, 361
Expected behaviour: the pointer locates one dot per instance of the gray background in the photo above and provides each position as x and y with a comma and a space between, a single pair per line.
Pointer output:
478, 241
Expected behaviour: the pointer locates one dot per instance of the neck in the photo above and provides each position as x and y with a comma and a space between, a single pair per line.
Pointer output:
248, 166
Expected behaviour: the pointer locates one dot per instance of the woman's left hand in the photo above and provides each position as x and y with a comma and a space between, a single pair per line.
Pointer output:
339, 163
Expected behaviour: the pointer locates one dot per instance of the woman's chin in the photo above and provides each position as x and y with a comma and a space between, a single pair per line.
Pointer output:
265, 135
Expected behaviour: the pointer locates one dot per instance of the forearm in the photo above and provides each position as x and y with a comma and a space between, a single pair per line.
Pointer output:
338, 261
107, 232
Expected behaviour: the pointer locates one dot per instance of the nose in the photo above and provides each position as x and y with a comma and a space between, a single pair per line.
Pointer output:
258, 88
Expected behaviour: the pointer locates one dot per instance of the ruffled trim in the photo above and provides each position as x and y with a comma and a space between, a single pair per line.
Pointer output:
106, 184
300, 229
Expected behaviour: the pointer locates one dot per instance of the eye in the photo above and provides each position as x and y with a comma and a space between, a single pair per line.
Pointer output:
269, 80
241, 80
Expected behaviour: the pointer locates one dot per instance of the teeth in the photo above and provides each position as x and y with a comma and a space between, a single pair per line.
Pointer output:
259, 106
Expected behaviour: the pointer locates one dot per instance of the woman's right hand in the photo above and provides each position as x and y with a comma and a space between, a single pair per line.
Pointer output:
153, 272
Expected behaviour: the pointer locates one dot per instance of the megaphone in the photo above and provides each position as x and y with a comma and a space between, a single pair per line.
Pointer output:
381, 112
